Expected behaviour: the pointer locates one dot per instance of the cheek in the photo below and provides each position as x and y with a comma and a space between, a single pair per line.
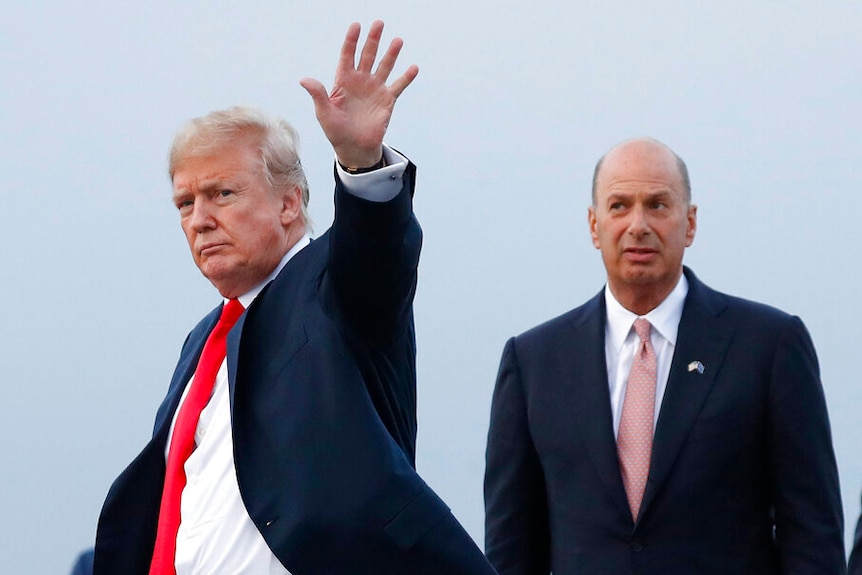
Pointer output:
189, 234
609, 236
685, 235
262, 234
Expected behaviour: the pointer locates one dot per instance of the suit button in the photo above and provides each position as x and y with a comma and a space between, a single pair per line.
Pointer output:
637, 545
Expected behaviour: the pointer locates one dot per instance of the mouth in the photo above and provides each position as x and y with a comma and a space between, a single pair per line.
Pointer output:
639, 254
209, 249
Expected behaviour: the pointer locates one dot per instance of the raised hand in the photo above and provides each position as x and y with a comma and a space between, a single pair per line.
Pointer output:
355, 115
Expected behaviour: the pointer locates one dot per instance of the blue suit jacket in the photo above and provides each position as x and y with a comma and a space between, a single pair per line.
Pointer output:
855, 565
322, 387
84, 563
743, 477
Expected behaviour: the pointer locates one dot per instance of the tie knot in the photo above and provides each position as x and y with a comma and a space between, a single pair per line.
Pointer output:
642, 328
231, 311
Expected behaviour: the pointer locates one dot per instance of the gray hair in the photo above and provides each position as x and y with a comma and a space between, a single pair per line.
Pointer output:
279, 145
680, 166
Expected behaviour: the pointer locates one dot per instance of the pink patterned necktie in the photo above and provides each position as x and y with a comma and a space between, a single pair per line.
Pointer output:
634, 439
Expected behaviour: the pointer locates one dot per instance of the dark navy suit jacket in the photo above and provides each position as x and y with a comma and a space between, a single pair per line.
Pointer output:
743, 478
83, 563
855, 566
322, 387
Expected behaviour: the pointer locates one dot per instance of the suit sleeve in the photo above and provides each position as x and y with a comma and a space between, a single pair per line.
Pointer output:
517, 539
374, 255
808, 515
84, 563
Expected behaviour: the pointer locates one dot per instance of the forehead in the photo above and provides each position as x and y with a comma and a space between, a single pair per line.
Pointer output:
238, 158
639, 166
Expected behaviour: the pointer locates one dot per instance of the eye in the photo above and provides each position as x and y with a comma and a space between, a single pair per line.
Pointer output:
184, 205
225, 193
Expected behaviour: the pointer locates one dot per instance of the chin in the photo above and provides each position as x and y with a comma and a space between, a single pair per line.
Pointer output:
225, 288
219, 277
641, 275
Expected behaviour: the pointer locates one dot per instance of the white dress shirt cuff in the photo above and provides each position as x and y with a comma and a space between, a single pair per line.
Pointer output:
380, 185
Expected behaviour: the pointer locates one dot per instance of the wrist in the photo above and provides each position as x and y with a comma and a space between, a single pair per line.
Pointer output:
359, 169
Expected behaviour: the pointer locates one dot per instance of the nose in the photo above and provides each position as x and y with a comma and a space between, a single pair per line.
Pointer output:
639, 223
202, 217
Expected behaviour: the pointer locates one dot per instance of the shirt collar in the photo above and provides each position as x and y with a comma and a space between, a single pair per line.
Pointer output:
664, 318
248, 297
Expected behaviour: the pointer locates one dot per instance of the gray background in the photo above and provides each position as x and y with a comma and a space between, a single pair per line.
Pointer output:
514, 103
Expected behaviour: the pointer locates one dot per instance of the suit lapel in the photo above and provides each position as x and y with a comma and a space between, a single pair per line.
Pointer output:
232, 354
702, 337
584, 367
274, 332
185, 370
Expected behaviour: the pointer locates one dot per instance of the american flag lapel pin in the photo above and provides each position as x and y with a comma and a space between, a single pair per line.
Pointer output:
695, 366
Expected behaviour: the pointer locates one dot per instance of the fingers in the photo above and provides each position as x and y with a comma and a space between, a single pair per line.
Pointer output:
404, 80
387, 62
347, 61
389, 58
369, 51
348, 49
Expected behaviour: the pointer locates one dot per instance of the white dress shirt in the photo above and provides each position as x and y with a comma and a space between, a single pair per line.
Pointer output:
621, 344
216, 534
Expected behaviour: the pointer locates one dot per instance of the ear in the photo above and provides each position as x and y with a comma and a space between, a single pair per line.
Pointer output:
594, 226
691, 228
291, 205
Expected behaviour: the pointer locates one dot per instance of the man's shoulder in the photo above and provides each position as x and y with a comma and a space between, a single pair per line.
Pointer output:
748, 311
753, 308
309, 260
585, 317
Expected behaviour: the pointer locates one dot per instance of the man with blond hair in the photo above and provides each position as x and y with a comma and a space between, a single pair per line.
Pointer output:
286, 441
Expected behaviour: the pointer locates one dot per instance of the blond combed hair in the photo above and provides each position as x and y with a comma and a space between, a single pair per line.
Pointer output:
279, 145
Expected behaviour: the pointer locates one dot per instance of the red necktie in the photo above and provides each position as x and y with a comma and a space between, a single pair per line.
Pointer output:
634, 439
183, 439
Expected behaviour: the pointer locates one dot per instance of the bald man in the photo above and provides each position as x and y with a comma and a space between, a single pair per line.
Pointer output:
662, 427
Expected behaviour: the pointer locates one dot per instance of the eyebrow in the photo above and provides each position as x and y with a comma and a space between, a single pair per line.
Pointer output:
649, 195
200, 184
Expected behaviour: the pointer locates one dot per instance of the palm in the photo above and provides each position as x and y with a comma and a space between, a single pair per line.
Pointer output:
359, 112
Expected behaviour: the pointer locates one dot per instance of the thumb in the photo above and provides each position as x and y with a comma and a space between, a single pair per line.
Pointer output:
317, 92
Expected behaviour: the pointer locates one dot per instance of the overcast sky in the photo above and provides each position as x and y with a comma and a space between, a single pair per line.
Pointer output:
514, 103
